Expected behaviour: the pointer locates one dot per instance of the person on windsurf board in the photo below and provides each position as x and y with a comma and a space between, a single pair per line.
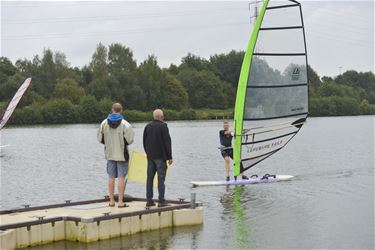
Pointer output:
226, 149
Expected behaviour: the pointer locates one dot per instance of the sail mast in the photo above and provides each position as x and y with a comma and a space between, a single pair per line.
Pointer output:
14, 102
241, 91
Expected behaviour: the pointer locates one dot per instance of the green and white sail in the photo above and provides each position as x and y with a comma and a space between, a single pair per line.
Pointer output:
272, 93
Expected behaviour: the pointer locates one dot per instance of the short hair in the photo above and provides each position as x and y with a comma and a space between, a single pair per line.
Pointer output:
117, 107
226, 122
158, 114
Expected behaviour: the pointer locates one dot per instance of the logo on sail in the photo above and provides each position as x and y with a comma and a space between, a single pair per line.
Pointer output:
295, 73
264, 146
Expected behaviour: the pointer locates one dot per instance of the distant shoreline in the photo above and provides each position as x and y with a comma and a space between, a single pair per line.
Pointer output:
199, 115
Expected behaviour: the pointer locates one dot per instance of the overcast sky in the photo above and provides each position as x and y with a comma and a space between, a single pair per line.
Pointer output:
339, 33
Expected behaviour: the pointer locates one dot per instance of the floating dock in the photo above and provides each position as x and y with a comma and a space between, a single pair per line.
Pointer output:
92, 220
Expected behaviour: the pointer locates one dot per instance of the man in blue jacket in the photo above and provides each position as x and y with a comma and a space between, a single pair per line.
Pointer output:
158, 146
116, 134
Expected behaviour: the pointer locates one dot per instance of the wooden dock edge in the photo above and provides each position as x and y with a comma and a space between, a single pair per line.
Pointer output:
90, 229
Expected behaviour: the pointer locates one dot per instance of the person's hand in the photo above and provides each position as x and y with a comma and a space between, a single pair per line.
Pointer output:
170, 162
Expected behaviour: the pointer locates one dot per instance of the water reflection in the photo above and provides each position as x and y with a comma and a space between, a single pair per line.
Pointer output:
157, 239
235, 207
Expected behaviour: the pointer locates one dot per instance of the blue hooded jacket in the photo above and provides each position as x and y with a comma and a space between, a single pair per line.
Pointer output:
114, 120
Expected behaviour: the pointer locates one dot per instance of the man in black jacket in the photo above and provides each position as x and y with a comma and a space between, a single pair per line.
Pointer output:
158, 147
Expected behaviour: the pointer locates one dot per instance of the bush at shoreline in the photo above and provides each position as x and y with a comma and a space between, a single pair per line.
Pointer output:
196, 89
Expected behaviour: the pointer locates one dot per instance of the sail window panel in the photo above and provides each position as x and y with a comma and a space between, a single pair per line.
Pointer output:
280, 41
268, 103
267, 124
251, 162
272, 3
259, 149
254, 136
279, 17
260, 130
277, 70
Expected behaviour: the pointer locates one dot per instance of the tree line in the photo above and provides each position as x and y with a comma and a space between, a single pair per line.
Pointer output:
197, 88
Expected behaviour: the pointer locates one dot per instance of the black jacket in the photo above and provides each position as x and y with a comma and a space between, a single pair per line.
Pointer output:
157, 141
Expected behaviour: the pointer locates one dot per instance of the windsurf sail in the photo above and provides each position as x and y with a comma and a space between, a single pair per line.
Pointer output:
272, 93
14, 102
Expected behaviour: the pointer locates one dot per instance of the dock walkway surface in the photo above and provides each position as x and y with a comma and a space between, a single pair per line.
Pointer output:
89, 221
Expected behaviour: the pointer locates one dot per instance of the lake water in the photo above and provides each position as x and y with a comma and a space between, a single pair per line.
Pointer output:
330, 203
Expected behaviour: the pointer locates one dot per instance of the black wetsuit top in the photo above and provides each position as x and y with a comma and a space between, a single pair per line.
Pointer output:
225, 139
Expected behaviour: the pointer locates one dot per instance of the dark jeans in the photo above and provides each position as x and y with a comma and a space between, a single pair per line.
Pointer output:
153, 167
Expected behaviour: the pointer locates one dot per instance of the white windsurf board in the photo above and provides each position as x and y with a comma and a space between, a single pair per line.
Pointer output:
240, 181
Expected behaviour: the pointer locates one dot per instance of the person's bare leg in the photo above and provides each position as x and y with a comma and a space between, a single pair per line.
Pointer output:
111, 190
121, 190
227, 165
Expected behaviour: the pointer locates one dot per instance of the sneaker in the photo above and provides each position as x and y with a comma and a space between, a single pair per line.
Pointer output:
150, 204
228, 178
244, 177
162, 204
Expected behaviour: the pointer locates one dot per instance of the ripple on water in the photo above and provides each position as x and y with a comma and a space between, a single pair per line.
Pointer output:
327, 205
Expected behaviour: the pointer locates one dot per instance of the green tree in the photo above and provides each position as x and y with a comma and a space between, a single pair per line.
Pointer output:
10, 86
365, 80
120, 60
28, 115
195, 62
204, 88
334, 89
45, 79
90, 110
99, 89
313, 76
105, 106
122, 70
173, 95
134, 97
366, 108
6, 69
98, 64
68, 88
188, 114
57, 111
150, 78
228, 66
63, 69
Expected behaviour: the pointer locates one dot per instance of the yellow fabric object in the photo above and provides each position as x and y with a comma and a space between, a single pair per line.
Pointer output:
138, 168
